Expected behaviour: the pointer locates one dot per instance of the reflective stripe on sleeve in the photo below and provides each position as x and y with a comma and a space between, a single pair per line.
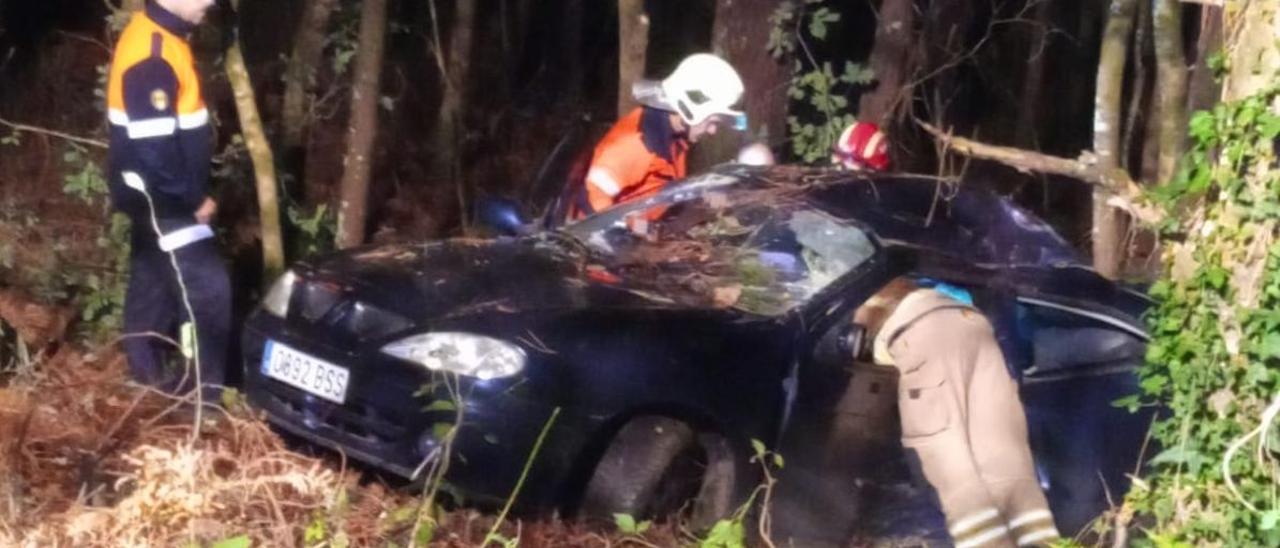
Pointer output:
1038, 536
185, 236
193, 120
963, 525
604, 181
984, 536
117, 117
1028, 517
155, 127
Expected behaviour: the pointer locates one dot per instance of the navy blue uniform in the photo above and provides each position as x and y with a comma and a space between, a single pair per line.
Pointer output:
159, 170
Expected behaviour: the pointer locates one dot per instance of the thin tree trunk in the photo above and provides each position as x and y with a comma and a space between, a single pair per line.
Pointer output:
1029, 119
1171, 85
453, 64
571, 51
308, 45
633, 45
891, 60
1108, 233
264, 169
363, 127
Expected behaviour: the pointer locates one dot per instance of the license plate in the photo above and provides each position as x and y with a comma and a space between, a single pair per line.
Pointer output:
305, 372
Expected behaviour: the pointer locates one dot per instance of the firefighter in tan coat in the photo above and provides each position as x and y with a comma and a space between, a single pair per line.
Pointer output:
961, 414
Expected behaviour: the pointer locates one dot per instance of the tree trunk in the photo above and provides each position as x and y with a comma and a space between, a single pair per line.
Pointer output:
891, 60
1171, 85
737, 35
633, 45
1253, 55
363, 127
571, 52
1029, 119
264, 169
1108, 228
299, 76
1204, 90
453, 64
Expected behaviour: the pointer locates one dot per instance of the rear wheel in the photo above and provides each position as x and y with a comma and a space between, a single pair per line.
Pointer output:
657, 466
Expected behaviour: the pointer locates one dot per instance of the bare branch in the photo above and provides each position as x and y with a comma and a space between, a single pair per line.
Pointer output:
1127, 195
42, 131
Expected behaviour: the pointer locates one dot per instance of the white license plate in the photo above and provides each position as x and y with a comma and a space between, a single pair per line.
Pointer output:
302, 371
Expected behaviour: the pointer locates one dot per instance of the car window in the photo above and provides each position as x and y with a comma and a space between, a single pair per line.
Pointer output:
763, 251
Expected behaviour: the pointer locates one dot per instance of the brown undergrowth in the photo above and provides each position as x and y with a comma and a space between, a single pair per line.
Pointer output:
90, 459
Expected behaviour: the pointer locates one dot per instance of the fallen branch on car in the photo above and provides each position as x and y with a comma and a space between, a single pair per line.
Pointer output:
1126, 193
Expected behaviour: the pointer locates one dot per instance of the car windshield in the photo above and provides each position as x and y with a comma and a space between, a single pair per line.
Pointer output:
718, 244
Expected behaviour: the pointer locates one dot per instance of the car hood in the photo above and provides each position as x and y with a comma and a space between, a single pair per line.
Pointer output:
453, 277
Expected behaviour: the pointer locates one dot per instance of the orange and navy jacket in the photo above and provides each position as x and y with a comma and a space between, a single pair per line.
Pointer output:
159, 125
639, 155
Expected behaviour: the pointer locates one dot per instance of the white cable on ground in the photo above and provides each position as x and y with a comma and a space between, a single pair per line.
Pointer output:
1268, 417
134, 181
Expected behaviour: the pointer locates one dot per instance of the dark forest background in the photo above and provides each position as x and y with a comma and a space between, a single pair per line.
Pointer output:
1018, 73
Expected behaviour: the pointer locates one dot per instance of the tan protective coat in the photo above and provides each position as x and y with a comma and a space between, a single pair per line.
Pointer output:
961, 415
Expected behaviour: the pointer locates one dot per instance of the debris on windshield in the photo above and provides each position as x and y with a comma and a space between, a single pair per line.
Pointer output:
727, 296
759, 250
831, 249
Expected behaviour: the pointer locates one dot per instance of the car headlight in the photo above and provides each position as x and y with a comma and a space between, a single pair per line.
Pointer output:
461, 353
276, 302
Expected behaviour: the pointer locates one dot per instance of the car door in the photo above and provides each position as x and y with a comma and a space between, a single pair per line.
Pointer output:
1081, 356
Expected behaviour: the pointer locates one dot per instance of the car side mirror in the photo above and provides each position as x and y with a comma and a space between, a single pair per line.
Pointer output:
502, 215
843, 344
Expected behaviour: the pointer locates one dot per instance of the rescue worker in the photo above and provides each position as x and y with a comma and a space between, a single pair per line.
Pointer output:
159, 166
648, 147
861, 147
960, 413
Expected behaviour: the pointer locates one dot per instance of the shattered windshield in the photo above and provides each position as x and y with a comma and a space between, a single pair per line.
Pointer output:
763, 251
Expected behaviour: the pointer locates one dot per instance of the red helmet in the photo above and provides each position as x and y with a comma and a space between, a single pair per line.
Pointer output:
862, 146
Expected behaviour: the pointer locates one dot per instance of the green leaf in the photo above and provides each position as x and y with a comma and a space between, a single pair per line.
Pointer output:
442, 405
1269, 126
626, 523
426, 532
725, 534
1204, 127
240, 541
758, 447
1269, 346
1178, 455
1269, 520
1129, 403
315, 531
441, 430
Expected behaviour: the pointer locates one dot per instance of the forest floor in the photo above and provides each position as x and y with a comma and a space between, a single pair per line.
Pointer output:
88, 458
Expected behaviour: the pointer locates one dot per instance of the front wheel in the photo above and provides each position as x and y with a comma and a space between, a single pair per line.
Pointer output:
656, 466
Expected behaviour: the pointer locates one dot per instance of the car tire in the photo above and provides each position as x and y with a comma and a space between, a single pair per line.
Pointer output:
656, 466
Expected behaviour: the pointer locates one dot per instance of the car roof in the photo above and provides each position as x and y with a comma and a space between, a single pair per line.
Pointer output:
949, 222
953, 218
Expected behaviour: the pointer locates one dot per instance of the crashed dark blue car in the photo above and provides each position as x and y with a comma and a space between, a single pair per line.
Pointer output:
665, 334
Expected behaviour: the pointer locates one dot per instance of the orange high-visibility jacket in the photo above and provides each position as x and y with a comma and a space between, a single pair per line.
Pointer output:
635, 159
159, 124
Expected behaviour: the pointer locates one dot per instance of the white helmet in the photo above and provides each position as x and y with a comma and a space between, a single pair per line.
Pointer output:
702, 86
